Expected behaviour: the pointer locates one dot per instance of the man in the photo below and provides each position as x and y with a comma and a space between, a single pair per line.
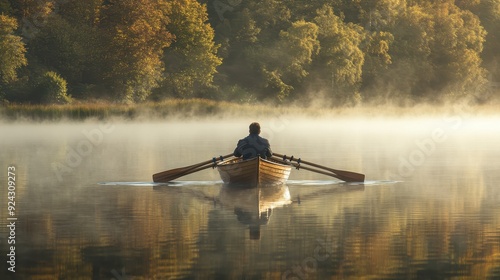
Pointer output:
253, 145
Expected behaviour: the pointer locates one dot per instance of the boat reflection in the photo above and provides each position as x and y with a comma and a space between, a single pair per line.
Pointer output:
254, 206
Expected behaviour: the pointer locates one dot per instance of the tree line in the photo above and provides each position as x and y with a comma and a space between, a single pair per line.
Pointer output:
337, 52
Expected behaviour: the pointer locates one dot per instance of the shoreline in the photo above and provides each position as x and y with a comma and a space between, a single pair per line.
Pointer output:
191, 109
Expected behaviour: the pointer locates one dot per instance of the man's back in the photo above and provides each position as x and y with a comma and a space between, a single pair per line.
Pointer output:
252, 146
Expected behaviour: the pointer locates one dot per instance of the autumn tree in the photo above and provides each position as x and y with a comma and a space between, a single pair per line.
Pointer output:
268, 50
137, 34
250, 39
340, 61
12, 50
288, 63
456, 50
488, 12
191, 60
411, 70
436, 48
33, 15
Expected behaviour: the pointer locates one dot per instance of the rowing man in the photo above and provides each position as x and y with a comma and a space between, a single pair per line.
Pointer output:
253, 145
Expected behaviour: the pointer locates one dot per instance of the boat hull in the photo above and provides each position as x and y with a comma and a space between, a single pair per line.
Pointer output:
253, 172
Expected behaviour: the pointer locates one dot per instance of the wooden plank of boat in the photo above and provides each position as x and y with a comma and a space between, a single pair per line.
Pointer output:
256, 171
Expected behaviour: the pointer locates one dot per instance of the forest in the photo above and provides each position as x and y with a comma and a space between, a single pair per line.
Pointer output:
315, 52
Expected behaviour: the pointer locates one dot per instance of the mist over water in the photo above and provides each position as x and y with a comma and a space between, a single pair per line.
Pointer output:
87, 207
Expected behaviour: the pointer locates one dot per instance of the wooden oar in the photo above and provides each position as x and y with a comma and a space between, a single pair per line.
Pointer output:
343, 175
187, 172
280, 160
173, 174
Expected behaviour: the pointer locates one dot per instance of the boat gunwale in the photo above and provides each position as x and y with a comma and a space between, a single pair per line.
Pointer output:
228, 162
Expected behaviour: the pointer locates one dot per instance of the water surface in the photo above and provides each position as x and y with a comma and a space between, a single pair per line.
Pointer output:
86, 206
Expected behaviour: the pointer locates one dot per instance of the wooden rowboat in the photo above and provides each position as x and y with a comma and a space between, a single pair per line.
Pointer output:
256, 171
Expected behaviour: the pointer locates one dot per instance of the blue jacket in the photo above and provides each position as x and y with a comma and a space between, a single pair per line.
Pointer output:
252, 146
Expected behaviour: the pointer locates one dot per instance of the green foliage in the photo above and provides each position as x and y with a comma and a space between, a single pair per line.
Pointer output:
69, 41
342, 52
5, 7
297, 46
411, 70
52, 89
191, 60
68, 49
341, 60
488, 12
456, 53
300, 43
274, 82
435, 51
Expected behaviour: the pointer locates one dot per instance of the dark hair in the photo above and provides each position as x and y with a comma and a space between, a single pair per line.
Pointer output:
255, 128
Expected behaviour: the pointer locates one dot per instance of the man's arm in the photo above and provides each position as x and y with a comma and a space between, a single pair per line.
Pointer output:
237, 152
269, 153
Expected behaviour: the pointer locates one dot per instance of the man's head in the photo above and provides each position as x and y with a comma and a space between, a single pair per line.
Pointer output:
255, 128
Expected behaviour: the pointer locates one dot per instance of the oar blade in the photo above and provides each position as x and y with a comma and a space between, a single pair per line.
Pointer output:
349, 176
161, 177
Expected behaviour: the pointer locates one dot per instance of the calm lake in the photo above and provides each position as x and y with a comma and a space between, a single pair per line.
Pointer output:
86, 207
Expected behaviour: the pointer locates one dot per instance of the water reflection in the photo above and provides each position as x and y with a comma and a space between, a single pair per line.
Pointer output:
439, 222
253, 206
